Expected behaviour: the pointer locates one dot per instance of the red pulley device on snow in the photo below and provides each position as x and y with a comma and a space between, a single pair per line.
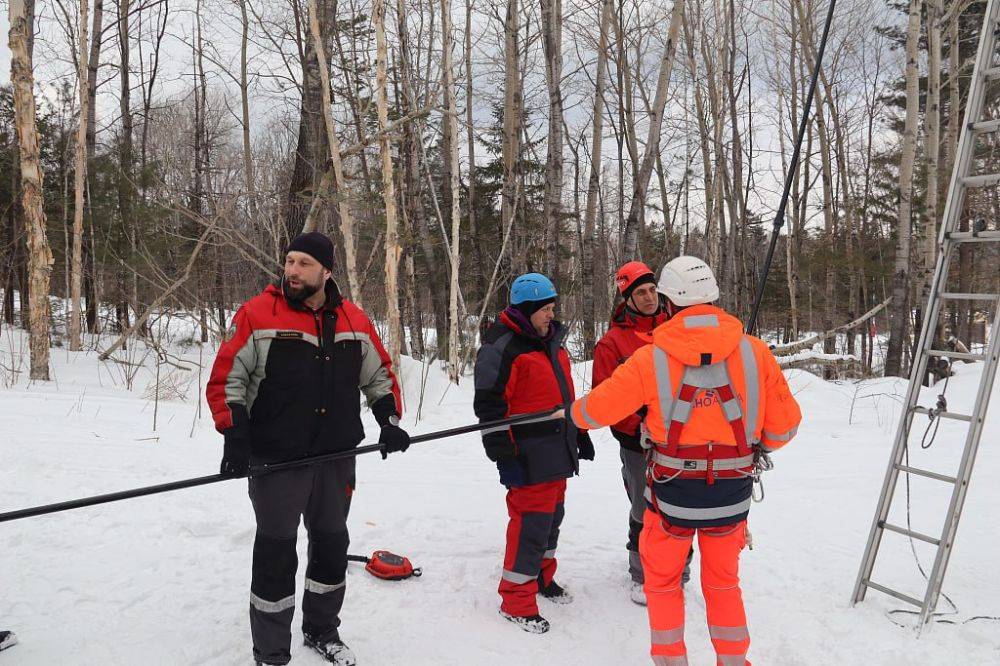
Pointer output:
387, 566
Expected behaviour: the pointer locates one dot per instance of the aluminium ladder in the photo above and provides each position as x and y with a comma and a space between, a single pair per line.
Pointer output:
986, 70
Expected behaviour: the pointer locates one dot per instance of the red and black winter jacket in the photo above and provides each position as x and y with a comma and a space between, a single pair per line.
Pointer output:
628, 332
288, 377
519, 372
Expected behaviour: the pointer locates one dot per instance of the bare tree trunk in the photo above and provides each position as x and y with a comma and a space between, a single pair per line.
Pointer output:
470, 131
552, 19
511, 113
630, 238
80, 176
900, 312
963, 308
594, 183
392, 250
21, 16
248, 166
451, 131
932, 121
93, 62
346, 220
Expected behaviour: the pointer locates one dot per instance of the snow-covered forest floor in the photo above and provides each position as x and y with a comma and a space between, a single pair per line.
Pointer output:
165, 579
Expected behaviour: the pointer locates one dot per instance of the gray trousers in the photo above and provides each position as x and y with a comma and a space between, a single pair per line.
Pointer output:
321, 494
634, 476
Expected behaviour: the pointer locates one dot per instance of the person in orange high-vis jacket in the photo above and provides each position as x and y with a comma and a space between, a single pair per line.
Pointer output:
716, 400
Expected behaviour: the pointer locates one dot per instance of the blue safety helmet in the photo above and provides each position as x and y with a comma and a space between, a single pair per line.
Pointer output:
532, 287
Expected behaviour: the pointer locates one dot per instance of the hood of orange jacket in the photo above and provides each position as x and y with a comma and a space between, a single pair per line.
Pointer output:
687, 338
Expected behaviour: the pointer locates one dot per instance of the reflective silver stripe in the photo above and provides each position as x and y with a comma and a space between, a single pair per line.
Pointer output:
782, 437
549, 554
664, 390
664, 660
591, 423
701, 321
682, 412
728, 633
265, 606
504, 428
733, 659
732, 409
707, 513
696, 465
517, 578
751, 377
667, 636
706, 376
323, 588
272, 334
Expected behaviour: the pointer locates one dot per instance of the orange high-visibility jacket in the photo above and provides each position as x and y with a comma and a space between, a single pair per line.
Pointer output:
698, 335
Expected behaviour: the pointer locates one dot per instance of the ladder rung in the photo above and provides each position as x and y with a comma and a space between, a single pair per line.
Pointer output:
924, 472
957, 296
959, 355
984, 126
973, 236
983, 180
944, 415
893, 593
910, 533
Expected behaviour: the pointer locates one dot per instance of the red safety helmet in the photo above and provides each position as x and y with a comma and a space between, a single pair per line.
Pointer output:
632, 275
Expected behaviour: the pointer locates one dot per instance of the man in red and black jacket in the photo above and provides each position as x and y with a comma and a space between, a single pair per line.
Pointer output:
632, 325
286, 384
522, 367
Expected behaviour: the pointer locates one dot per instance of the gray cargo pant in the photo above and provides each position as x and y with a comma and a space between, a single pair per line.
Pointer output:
321, 494
634, 476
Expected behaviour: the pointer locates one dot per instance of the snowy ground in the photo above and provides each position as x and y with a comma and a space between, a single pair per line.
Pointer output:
164, 579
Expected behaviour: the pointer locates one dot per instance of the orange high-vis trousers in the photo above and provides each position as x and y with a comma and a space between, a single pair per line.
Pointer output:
663, 550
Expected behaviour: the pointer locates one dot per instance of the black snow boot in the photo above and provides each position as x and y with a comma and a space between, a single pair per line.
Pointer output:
331, 647
7, 639
554, 592
533, 624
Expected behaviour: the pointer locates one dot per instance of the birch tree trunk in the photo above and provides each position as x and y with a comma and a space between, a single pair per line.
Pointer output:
900, 311
631, 235
80, 176
552, 19
451, 129
470, 130
932, 121
392, 249
333, 141
21, 18
594, 182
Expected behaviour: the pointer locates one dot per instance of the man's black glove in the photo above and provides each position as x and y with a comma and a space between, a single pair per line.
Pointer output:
584, 446
235, 456
512, 472
393, 438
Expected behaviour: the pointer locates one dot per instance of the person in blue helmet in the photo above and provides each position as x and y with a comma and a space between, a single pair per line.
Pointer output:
522, 367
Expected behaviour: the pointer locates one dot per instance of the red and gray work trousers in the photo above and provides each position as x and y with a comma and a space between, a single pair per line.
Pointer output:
535, 511
321, 495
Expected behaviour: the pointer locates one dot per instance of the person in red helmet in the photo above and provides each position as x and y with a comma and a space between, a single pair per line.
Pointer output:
632, 324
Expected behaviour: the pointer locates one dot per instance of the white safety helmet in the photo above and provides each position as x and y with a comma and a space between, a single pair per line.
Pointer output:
688, 281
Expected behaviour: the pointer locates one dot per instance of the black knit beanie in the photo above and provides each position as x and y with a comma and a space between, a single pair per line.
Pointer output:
316, 245
529, 308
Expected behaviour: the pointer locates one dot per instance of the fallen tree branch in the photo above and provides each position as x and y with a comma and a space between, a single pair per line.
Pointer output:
802, 345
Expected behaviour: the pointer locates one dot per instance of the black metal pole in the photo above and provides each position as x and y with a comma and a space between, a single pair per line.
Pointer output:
260, 470
779, 217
